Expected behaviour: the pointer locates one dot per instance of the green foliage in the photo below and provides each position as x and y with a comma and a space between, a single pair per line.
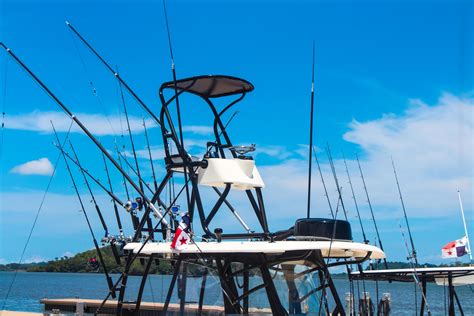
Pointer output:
80, 264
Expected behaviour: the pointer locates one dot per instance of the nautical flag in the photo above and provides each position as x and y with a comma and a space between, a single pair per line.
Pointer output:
181, 236
455, 249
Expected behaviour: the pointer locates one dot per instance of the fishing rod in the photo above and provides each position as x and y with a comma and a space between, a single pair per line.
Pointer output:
115, 73
413, 251
180, 126
93, 200
371, 210
324, 183
107, 238
331, 163
130, 135
415, 273
96, 181
149, 203
121, 166
135, 172
366, 241
96, 245
149, 156
310, 162
117, 214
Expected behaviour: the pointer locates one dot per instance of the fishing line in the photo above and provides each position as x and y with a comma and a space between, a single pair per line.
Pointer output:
91, 84
415, 273
4, 102
36, 219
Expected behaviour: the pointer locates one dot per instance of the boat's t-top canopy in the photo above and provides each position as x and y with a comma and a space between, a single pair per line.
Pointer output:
210, 86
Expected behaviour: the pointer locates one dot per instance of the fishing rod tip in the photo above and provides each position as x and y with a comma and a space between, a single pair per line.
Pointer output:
67, 23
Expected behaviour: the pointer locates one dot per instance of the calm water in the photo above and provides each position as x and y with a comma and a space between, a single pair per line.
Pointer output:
29, 288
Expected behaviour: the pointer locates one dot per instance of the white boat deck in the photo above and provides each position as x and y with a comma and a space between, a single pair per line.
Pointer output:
335, 249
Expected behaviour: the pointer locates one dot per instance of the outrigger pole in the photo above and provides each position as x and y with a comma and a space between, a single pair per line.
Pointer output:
413, 251
310, 162
96, 245
371, 211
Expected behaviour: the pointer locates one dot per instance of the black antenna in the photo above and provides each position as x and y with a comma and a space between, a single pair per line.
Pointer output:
324, 184
96, 245
180, 126
308, 211
371, 211
93, 200
413, 251
355, 200
150, 157
333, 169
145, 107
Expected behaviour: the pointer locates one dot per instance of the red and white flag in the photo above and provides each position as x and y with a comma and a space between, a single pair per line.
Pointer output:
181, 236
455, 249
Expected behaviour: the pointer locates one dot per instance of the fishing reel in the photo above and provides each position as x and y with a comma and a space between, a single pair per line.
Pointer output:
115, 240
134, 206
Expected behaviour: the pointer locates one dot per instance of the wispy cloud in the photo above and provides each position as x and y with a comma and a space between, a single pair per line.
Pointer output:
41, 167
198, 129
98, 124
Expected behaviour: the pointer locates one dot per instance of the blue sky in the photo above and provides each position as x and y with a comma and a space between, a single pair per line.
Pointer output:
393, 78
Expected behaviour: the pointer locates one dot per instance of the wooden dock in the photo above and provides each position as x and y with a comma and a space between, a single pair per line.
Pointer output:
89, 306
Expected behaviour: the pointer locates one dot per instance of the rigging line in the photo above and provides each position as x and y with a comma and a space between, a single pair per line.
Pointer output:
35, 220
91, 84
355, 201
310, 162
324, 183
415, 273
180, 126
371, 210
96, 245
331, 162
413, 251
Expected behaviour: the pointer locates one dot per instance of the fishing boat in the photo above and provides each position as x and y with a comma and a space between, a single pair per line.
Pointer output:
288, 270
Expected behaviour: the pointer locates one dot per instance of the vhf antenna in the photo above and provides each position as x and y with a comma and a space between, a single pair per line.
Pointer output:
308, 211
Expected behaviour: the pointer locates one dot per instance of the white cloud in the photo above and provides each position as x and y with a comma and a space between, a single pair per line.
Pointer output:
198, 129
35, 259
98, 124
41, 167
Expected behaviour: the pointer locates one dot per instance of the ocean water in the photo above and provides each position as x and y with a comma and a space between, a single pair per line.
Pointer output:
29, 288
